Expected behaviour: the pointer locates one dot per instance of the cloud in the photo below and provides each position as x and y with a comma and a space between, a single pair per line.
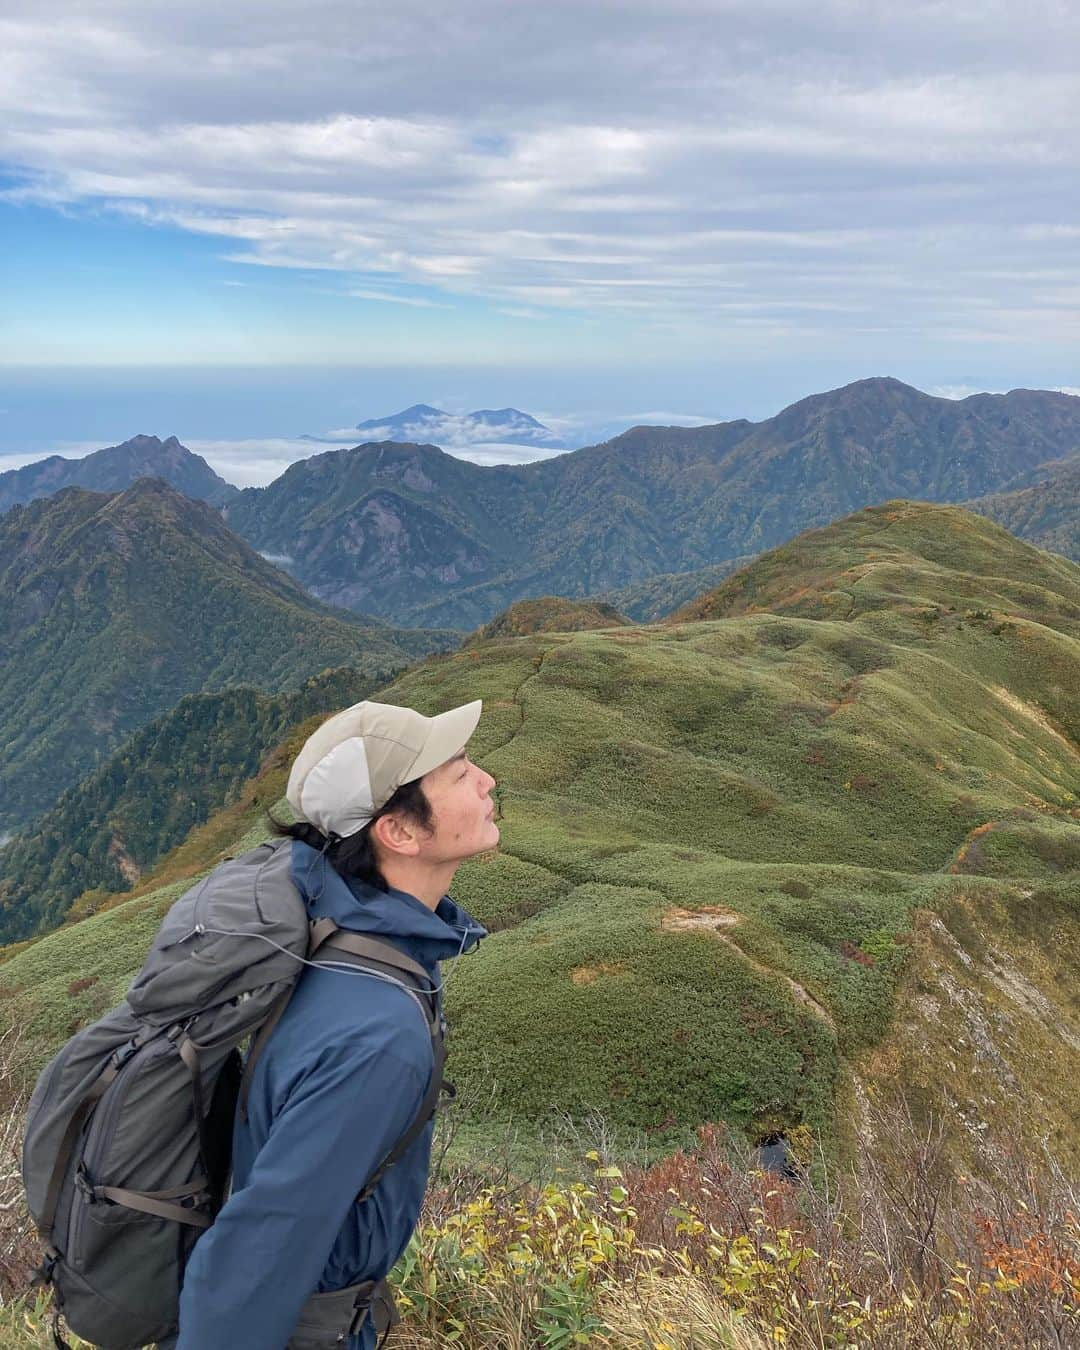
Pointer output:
496, 452
698, 169
959, 391
254, 462
380, 296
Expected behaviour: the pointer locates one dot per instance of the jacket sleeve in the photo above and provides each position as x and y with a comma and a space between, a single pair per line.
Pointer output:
251, 1273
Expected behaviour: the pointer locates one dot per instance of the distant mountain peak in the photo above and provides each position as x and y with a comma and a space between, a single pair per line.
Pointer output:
417, 410
426, 424
114, 468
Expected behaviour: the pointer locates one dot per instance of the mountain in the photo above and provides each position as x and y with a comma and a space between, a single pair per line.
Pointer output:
114, 607
1048, 513
549, 614
409, 532
421, 422
115, 468
162, 782
908, 558
384, 526
655, 597
754, 869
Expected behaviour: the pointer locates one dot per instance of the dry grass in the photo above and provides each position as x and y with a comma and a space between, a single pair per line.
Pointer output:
702, 1252
19, 1248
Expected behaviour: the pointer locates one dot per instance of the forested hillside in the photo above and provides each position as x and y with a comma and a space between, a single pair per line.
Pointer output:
114, 607
1048, 513
170, 776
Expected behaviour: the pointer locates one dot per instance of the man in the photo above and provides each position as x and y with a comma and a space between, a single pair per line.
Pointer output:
388, 806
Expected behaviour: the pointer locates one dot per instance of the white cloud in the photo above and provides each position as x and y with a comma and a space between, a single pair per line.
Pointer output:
698, 167
496, 453
959, 391
254, 462
415, 300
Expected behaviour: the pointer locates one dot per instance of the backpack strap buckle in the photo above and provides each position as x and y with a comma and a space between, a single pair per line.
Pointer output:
365, 1292
120, 1057
83, 1184
42, 1275
374, 1298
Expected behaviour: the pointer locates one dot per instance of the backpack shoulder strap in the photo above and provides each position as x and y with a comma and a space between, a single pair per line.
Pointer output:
375, 953
437, 1085
383, 957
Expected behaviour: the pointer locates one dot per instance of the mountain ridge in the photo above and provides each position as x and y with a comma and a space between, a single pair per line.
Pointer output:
113, 469
97, 594
508, 426
410, 530
1047, 512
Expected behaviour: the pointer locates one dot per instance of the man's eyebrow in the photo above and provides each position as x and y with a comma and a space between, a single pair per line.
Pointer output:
461, 754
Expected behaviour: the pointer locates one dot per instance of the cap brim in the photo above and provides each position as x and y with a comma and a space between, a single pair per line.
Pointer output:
448, 734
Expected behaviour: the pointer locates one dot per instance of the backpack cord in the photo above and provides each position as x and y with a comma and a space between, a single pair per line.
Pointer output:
339, 966
320, 861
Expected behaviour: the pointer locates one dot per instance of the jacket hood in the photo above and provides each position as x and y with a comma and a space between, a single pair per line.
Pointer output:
427, 936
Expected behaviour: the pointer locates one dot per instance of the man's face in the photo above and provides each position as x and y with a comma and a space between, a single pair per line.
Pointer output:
460, 795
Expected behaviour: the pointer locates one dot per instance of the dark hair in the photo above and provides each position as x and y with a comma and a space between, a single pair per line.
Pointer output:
354, 856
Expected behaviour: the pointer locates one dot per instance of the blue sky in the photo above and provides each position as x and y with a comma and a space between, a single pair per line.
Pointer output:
589, 209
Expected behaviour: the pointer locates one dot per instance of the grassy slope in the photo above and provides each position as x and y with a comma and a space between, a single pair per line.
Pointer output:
549, 614
723, 839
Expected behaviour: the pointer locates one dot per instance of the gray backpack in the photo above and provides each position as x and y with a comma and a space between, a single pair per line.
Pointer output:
128, 1144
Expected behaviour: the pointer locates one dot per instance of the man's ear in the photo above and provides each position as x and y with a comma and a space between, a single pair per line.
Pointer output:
397, 834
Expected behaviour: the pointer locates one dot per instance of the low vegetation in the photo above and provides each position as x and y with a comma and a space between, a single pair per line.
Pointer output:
705, 1251
549, 614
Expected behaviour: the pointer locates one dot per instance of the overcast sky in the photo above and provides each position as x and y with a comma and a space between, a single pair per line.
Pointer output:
895, 187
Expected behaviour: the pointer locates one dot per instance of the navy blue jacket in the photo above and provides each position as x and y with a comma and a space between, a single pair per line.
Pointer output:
341, 1078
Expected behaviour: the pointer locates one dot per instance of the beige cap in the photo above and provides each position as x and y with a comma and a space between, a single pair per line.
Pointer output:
355, 762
